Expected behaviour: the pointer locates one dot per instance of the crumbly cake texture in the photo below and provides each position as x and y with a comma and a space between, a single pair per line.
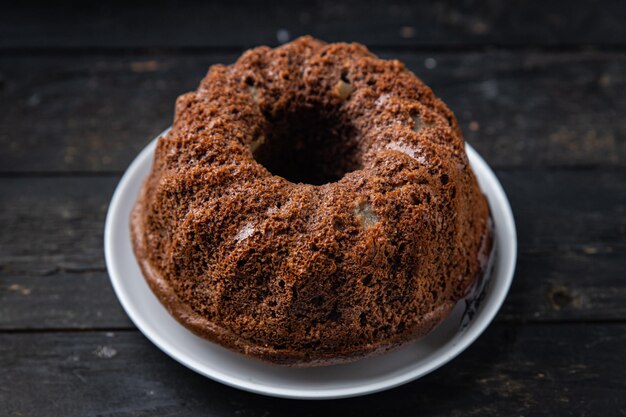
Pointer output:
311, 205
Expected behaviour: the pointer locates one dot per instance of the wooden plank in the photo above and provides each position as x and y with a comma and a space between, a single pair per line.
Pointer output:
94, 113
546, 288
53, 225
61, 300
399, 22
538, 370
51, 254
571, 226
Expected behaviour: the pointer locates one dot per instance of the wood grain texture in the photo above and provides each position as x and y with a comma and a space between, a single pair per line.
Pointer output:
94, 113
537, 370
243, 24
572, 234
62, 300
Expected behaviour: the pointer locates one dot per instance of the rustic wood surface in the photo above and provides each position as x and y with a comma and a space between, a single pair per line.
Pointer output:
541, 370
538, 87
170, 24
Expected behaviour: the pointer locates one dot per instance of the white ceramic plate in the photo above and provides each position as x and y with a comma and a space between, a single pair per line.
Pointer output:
418, 358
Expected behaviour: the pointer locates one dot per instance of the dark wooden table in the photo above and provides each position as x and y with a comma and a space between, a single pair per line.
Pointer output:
538, 87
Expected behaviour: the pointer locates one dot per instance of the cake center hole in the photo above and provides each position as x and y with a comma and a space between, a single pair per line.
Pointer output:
309, 145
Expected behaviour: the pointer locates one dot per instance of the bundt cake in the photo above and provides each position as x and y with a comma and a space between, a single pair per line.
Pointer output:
311, 205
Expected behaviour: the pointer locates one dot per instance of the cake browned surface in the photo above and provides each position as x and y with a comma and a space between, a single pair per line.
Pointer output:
312, 204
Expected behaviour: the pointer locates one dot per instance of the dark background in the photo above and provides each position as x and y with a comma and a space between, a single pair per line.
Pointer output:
539, 90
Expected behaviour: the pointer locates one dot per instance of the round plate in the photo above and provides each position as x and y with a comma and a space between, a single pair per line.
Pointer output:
467, 321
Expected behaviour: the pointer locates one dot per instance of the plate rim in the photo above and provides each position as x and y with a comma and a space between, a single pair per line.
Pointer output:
505, 230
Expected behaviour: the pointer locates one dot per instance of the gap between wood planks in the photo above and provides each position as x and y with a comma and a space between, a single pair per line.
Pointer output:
377, 49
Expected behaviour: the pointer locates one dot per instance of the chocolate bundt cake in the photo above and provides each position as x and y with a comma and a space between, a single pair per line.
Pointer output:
311, 205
